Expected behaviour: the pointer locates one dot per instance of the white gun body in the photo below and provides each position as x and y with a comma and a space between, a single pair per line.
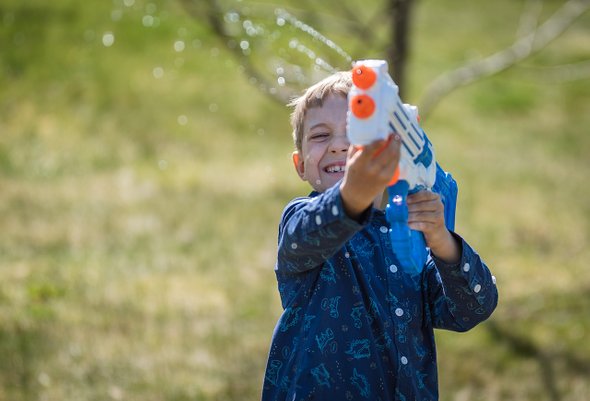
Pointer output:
417, 162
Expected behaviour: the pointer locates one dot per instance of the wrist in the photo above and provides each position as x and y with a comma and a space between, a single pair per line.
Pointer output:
353, 206
445, 247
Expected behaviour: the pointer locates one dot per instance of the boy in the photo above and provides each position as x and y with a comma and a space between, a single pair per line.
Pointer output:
354, 326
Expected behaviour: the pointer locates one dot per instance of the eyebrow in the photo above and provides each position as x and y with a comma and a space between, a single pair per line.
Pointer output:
318, 125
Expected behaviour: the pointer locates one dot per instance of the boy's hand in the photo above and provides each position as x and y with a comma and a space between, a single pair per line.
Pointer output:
368, 171
426, 214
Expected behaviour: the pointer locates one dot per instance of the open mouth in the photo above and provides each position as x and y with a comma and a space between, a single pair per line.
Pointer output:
335, 168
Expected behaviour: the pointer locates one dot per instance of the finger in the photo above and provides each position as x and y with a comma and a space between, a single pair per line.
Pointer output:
426, 206
352, 150
425, 217
375, 148
423, 196
391, 147
388, 157
422, 226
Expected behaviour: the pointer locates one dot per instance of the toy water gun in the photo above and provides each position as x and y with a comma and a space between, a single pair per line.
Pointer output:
375, 110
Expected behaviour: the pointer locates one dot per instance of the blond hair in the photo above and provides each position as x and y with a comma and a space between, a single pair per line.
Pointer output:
338, 83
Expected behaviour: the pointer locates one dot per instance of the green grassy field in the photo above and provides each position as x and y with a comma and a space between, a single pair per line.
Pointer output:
141, 187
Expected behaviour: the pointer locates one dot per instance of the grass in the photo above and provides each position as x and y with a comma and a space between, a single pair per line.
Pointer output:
140, 189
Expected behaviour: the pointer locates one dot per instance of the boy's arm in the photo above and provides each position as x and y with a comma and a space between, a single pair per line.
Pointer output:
463, 294
313, 229
461, 290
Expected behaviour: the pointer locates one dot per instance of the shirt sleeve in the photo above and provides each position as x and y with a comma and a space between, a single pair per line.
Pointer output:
313, 229
460, 295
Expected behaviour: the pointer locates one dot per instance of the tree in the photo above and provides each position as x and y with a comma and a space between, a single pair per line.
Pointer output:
256, 35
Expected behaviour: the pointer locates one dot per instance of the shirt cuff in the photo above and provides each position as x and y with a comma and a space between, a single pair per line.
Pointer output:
330, 208
470, 272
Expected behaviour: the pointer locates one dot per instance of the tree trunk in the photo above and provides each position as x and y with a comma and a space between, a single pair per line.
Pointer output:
397, 53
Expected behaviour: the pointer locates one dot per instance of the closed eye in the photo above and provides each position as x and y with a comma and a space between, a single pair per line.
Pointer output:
319, 136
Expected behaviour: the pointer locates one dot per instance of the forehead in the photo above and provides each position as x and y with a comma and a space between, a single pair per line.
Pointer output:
331, 112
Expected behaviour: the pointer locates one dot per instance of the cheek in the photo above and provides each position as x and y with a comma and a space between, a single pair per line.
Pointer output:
311, 162
314, 154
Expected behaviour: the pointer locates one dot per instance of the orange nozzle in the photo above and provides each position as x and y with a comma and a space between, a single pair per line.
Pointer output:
394, 178
362, 106
363, 77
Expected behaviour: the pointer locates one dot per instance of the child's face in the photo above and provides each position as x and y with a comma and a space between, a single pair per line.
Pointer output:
324, 144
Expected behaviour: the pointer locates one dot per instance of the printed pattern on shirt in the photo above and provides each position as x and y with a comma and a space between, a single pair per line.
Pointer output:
354, 325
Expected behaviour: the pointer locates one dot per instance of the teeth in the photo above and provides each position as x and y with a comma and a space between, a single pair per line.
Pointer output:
335, 169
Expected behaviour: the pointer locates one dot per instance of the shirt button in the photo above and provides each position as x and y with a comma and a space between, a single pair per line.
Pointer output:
399, 312
384, 229
393, 268
466, 267
318, 219
347, 255
404, 360
477, 288
294, 245
494, 280
335, 210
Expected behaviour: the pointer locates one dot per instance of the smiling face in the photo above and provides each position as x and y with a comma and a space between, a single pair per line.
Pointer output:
324, 145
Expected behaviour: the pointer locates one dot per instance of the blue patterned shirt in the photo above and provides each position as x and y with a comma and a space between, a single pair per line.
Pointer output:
354, 326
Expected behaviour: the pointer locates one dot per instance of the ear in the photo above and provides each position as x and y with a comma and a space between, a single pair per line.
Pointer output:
298, 163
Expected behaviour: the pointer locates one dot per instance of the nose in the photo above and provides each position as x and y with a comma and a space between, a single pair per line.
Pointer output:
339, 143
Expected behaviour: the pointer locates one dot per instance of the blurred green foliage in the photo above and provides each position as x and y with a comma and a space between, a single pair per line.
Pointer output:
141, 186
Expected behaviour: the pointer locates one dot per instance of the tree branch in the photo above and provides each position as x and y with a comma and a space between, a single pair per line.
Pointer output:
559, 73
521, 49
214, 15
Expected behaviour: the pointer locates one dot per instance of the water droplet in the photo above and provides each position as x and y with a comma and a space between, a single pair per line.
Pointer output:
158, 72
281, 81
213, 107
231, 17
244, 45
283, 16
108, 38
261, 131
179, 46
44, 379
197, 43
182, 119
147, 20
129, 3
182, 31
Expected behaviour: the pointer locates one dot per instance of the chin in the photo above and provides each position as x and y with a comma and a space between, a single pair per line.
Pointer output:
330, 181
